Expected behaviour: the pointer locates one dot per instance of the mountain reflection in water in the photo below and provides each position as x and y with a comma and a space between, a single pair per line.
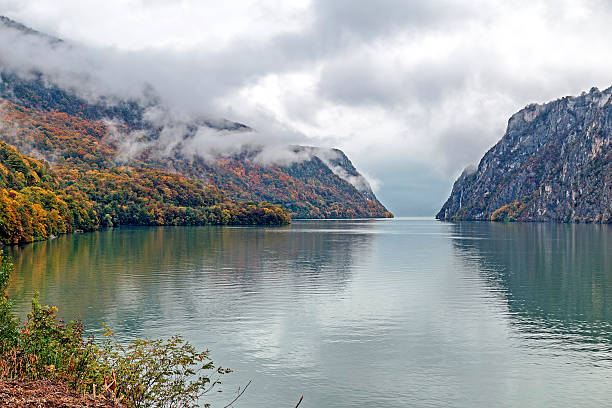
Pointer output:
126, 273
389, 313
555, 278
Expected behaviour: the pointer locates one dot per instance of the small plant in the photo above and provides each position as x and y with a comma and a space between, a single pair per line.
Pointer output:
45, 347
54, 349
158, 373
8, 324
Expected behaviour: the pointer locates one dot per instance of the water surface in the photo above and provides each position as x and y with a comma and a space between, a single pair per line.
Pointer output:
393, 313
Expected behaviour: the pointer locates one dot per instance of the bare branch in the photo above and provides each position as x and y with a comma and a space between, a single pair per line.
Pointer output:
239, 394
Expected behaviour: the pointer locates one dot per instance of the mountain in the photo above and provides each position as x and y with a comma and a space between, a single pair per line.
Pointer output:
12, 24
72, 131
554, 163
37, 202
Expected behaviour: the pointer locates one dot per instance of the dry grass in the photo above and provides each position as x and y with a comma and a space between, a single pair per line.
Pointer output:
47, 394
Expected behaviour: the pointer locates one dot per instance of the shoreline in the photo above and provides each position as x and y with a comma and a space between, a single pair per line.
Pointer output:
47, 393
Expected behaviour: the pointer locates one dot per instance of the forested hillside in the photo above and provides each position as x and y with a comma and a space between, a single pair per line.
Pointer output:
80, 134
47, 122
37, 202
34, 205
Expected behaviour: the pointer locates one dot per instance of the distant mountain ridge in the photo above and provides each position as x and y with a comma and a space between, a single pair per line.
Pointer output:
553, 164
7, 22
323, 185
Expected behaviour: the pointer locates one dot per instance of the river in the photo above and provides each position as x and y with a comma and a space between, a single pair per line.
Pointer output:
377, 313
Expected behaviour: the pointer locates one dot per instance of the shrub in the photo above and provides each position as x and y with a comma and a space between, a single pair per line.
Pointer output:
48, 348
145, 373
8, 324
158, 373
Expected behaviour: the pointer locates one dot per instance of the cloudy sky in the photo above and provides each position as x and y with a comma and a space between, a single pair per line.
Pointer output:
412, 91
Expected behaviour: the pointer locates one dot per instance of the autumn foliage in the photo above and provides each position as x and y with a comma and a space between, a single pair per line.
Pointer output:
91, 187
83, 191
34, 205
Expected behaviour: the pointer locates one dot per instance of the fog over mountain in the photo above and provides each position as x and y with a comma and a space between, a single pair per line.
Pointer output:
412, 91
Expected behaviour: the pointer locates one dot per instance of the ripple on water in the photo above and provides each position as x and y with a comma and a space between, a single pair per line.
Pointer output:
387, 313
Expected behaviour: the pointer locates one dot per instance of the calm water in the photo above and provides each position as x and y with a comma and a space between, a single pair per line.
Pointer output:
401, 313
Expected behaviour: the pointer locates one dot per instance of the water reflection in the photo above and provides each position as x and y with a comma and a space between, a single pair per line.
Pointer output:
390, 313
557, 279
133, 277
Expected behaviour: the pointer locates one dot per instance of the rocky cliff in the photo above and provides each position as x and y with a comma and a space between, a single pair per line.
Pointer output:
554, 163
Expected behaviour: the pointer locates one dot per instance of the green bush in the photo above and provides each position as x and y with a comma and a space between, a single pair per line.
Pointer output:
47, 348
145, 373
158, 373
9, 333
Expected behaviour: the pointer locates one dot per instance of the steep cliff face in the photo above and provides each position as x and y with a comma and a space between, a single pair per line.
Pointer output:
553, 164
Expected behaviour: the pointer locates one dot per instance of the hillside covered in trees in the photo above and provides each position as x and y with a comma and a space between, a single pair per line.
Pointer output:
34, 205
86, 138
49, 123
37, 202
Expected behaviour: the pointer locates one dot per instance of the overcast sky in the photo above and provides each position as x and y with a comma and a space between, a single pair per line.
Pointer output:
412, 91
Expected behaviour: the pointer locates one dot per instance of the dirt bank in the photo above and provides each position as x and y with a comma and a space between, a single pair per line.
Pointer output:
46, 394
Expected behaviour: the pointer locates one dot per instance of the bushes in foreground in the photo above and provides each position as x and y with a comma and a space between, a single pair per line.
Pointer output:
145, 373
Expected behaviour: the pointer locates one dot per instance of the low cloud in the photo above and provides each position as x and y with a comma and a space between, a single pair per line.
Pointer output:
427, 84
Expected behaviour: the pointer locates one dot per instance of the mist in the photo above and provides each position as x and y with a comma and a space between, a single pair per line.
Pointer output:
176, 91
411, 92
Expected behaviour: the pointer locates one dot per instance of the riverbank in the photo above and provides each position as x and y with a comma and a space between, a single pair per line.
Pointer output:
47, 394
42, 359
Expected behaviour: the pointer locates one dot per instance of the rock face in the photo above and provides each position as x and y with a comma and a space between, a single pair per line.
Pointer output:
553, 164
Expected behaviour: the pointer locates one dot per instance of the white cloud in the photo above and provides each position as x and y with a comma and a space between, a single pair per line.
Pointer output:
428, 84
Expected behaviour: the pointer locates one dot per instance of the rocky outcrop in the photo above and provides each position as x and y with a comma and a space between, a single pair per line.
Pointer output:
553, 164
